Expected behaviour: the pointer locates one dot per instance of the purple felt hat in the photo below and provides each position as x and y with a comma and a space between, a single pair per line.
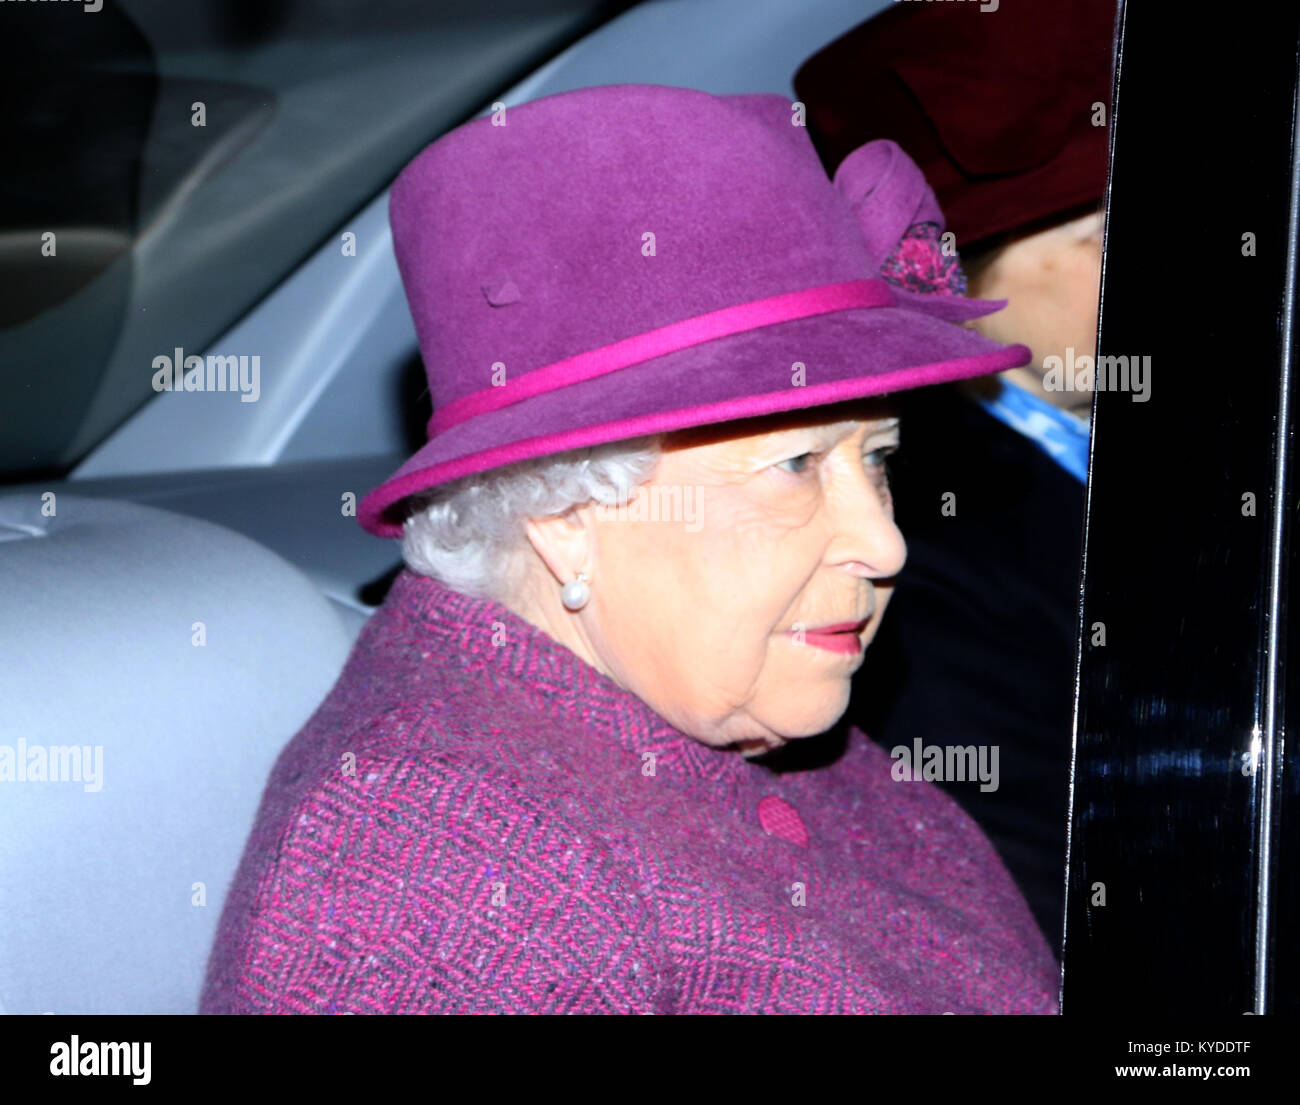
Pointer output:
634, 259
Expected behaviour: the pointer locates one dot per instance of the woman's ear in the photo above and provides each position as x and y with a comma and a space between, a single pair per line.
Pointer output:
564, 542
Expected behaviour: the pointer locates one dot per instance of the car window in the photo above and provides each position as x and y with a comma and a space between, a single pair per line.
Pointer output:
183, 158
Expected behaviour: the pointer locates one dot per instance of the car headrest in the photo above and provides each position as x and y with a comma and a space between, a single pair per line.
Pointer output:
152, 666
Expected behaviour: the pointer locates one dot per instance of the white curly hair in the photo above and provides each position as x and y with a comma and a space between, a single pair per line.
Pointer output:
469, 533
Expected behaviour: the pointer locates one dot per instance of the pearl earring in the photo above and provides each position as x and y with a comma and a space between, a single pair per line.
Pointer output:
575, 593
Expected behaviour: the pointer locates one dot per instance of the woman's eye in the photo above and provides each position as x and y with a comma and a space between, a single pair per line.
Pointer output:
877, 457
800, 463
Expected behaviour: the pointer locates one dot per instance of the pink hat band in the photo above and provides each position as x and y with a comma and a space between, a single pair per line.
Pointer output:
666, 339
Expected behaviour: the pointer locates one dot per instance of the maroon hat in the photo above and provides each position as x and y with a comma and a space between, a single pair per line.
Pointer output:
995, 106
635, 259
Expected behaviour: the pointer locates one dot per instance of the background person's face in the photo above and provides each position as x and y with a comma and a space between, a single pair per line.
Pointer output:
794, 528
1051, 280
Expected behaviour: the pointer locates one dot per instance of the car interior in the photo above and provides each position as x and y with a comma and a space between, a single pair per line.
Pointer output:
182, 576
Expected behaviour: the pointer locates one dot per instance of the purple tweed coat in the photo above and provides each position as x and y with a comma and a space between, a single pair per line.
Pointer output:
476, 820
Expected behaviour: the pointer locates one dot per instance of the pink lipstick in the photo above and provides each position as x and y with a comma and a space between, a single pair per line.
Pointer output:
843, 637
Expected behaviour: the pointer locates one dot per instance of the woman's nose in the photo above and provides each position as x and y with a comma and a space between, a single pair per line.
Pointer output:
862, 516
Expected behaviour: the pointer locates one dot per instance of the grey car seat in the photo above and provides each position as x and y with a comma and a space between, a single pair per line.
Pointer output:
151, 668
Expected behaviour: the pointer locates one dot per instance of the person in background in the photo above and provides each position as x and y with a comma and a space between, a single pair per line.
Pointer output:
1006, 113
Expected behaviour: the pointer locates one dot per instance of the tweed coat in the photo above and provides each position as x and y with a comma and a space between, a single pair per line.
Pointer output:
476, 820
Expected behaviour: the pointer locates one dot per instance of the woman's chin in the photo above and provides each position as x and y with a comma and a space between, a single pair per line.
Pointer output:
756, 746
818, 714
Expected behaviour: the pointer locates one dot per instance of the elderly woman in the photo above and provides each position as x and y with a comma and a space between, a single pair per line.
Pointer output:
648, 541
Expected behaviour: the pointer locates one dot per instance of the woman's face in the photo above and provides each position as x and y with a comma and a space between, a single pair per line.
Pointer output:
712, 599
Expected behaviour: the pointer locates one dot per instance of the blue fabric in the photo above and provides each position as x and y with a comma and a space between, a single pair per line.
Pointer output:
1061, 435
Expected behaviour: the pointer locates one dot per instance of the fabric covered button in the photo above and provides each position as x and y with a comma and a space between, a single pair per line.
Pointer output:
500, 291
779, 818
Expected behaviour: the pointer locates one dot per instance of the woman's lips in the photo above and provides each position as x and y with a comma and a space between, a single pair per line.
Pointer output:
844, 637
